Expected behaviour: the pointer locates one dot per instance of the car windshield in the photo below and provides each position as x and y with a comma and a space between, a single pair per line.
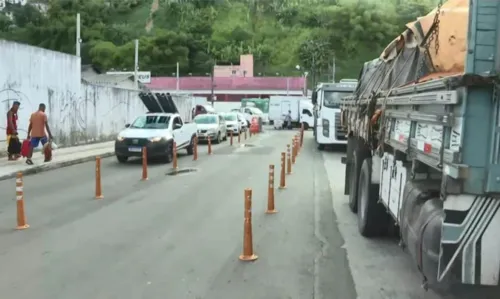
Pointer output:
230, 117
205, 119
151, 122
331, 99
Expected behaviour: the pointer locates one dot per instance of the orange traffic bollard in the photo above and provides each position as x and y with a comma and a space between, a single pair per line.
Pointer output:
174, 152
294, 150
248, 254
302, 135
144, 164
239, 137
245, 135
270, 192
209, 146
231, 139
195, 148
21, 216
288, 160
98, 189
297, 141
282, 172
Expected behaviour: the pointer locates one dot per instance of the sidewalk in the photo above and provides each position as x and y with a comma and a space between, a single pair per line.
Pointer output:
61, 158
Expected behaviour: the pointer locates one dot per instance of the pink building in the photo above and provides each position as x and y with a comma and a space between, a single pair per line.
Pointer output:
232, 83
244, 69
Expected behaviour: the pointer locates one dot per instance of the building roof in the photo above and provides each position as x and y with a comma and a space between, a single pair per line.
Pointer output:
228, 83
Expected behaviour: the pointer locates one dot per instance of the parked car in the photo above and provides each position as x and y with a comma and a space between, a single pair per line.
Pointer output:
243, 121
157, 132
233, 124
211, 126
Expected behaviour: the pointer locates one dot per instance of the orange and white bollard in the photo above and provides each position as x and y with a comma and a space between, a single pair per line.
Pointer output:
245, 135
209, 146
239, 137
248, 254
294, 150
288, 160
270, 192
174, 153
21, 216
144, 164
282, 171
195, 148
231, 138
98, 187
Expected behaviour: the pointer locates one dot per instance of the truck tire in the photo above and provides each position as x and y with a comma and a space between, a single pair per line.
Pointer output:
190, 147
354, 170
373, 219
169, 154
359, 154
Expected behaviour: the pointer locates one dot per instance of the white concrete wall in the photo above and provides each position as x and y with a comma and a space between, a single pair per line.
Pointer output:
78, 112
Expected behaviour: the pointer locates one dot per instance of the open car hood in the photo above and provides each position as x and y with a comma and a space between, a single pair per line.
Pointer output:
158, 102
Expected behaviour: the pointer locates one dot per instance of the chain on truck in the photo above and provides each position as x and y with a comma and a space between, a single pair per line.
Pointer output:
423, 149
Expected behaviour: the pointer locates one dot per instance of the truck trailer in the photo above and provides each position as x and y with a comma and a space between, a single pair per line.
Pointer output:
423, 146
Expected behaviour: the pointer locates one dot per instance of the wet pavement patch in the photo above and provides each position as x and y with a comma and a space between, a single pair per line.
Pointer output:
247, 145
181, 171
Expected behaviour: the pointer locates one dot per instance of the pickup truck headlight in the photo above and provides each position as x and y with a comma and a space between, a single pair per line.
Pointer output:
156, 139
119, 138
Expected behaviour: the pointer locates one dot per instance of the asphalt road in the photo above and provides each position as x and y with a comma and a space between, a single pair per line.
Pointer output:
176, 236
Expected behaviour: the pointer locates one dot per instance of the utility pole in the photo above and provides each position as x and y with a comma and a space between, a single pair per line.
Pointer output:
136, 66
177, 76
78, 38
212, 85
333, 69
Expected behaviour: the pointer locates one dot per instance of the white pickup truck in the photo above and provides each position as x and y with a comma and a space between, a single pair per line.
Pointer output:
156, 130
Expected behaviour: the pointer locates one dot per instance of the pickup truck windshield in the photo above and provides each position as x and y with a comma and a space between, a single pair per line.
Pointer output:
331, 99
205, 119
151, 122
230, 117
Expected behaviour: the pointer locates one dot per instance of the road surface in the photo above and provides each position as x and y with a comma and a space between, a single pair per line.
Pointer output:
180, 236
175, 236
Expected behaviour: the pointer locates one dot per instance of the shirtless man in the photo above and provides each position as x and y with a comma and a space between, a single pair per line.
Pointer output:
36, 131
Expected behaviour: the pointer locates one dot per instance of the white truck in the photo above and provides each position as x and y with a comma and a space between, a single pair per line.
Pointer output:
300, 108
157, 131
326, 99
423, 151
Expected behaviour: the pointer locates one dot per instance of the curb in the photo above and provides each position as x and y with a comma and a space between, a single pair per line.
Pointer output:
56, 165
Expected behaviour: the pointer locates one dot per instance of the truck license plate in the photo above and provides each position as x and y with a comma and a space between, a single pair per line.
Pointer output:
135, 149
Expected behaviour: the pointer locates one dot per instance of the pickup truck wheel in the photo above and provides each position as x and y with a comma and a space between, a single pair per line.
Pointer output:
190, 147
219, 138
321, 147
122, 159
169, 154
372, 217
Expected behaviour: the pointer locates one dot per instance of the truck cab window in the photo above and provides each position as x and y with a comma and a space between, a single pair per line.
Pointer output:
306, 112
177, 121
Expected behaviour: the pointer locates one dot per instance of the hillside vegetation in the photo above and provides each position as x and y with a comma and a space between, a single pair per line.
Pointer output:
197, 33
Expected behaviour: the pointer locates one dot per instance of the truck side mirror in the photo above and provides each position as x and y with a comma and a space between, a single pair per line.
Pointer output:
314, 97
127, 125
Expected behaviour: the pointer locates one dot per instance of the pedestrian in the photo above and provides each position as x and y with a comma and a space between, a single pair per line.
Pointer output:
12, 135
288, 120
36, 132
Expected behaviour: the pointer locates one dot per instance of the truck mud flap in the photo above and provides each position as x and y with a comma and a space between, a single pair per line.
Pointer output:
151, 102
167, 103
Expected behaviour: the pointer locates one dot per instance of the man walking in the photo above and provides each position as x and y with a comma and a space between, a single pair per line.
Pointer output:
12, 130
36, 131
